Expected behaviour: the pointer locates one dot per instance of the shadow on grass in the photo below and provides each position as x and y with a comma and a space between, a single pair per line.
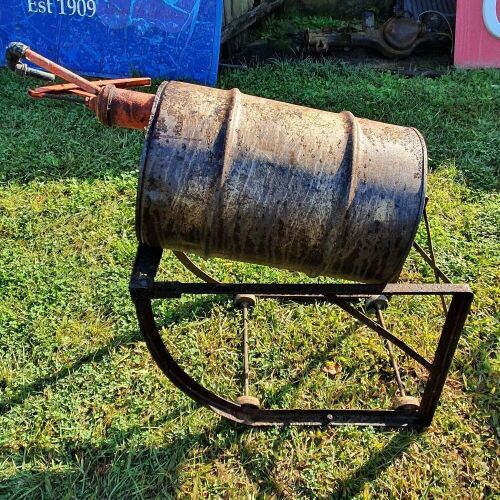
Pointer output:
483, 378
120, 469
348, 488
315, 360
115, 469
375, 465
189, 311
38, 385
185, 311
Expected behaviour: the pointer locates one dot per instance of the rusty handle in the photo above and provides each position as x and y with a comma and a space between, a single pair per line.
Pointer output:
114, 106
18, 50
14, 53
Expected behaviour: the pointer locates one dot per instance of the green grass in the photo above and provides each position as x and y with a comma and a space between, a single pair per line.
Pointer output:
84, 412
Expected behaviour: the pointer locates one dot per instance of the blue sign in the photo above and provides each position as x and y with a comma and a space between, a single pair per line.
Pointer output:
171, 39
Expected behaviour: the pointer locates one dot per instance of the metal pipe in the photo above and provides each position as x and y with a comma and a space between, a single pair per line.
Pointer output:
392, 355
246, 370
113, 106
123, 108
432, 255
431, 263
60, 71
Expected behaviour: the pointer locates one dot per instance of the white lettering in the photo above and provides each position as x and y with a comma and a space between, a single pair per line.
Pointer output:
91, 7
490, 17
71, 4
61, 6
80, 8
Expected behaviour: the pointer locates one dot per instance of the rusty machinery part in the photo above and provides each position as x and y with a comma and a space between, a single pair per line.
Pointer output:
438, 13
124, 108
402, 33
365, 181
408, 412
323, 193
17, 51
398, 37
70, 88
191, 266
248, 401
112, 103
245, 300
319, 192
375, 302
14, 53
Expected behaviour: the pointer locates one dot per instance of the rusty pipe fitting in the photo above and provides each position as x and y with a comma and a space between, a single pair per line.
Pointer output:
116, 107
14, 53
113, 105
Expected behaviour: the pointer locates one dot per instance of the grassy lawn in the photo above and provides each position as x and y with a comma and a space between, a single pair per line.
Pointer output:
84, 412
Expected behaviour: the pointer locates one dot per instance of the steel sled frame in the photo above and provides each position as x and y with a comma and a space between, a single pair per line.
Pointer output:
144, 289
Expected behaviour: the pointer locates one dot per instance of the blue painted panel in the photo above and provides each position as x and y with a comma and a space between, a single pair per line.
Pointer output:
172, 39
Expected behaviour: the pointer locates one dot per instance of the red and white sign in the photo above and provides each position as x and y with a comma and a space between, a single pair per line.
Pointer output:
477, 35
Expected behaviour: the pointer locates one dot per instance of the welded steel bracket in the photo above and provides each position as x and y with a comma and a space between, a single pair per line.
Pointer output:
144, 289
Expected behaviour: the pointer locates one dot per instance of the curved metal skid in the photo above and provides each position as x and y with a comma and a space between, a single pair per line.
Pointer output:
144, 289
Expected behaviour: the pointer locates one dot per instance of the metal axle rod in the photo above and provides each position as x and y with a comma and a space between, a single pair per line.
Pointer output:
245, 301
246, 371
432, 255
392, 355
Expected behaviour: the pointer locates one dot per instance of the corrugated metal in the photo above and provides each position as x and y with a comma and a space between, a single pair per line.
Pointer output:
416, 7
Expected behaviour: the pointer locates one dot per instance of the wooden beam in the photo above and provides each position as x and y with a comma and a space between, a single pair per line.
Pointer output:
246, 20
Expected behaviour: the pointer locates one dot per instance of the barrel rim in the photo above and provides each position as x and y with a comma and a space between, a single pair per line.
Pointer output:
420, 211
144, 158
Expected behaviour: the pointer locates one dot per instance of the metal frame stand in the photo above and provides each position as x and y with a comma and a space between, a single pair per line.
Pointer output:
144, 289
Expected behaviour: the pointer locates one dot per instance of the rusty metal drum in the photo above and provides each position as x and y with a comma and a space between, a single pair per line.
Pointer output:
224, 174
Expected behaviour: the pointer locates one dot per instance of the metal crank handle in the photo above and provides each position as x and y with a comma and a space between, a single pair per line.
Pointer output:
14, 53
18, 50
111, 101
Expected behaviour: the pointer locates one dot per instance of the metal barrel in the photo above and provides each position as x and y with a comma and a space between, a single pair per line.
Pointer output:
224, 174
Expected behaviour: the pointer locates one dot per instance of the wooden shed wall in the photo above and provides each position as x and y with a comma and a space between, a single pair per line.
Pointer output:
235, 8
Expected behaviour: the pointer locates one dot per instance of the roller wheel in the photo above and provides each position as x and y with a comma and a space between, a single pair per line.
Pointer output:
249, 402
376, 302
241, 299
406, 403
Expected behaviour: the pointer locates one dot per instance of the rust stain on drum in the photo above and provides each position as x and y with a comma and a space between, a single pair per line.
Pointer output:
224, 174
